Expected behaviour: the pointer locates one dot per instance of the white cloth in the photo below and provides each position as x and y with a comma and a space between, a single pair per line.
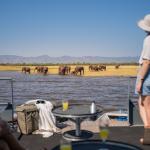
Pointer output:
46, 118
146, 50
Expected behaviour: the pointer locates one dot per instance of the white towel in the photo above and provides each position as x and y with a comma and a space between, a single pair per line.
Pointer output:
46, 118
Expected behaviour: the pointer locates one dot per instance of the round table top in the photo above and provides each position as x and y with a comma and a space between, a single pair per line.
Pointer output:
76, 110
98, 145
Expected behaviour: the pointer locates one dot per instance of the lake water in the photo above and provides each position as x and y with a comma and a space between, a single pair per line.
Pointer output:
108, 91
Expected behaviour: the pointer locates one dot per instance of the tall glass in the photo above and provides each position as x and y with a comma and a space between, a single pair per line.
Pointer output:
65, 105
103, 132
65, 145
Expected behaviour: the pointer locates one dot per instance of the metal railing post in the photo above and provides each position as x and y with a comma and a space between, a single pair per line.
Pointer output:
129, 101
12, 99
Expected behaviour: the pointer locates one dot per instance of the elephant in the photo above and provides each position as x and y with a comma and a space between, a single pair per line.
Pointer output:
94, 68
38, 68
117, 66
41, 69
78, 70
64, 70
73, 73
44, 70
90, 67
26, 70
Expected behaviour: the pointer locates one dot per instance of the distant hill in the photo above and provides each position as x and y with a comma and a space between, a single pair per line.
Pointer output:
65, 59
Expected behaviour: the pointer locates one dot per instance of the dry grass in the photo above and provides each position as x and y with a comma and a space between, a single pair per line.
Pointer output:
128, 70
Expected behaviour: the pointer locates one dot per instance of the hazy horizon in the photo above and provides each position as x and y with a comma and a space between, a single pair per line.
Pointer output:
65, 59
69, 56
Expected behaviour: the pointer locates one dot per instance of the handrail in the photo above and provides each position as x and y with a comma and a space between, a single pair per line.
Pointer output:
5, 78
12, 90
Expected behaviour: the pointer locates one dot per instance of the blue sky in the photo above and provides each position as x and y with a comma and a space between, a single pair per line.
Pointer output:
72, 27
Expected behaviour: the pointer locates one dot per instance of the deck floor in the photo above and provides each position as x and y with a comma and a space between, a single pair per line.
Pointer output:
130, 135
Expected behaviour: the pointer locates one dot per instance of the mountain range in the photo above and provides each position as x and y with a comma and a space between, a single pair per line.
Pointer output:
13, 59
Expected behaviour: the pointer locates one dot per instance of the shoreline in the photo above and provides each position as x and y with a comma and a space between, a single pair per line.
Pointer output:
111, 71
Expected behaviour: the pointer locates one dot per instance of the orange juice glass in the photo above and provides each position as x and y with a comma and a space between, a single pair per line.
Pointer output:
66, 147
65, 105
104, 134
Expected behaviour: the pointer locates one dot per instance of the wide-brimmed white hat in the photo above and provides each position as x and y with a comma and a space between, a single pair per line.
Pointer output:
145, 23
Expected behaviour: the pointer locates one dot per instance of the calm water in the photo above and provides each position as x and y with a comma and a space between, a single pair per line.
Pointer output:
109, 91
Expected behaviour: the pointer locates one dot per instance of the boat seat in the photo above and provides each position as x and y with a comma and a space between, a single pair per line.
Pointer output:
6, 115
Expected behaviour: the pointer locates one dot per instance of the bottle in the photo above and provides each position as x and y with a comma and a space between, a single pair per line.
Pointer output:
93, 107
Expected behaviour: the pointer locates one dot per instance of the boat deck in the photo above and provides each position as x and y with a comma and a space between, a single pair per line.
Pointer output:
119, 131
130, 135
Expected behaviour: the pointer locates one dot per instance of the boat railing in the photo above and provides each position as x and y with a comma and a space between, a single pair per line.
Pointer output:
133, 116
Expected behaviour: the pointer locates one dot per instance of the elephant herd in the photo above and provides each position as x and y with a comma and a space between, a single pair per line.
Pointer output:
62, 70
97, 68
40, 69
66, 69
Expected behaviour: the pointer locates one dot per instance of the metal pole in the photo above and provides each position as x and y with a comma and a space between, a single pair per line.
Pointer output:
12, 99
129, 101
78, 132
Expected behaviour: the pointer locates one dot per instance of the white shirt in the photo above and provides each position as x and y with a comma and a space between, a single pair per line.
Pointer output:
146, 50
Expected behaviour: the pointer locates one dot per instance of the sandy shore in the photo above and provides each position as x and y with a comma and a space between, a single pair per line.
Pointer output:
124, 70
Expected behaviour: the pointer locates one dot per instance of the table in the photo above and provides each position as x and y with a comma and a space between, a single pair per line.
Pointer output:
98, 145
77, 113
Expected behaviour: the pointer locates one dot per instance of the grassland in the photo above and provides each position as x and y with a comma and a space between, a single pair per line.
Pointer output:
123, 70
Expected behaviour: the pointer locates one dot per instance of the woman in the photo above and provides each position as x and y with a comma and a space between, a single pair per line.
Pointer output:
143, 77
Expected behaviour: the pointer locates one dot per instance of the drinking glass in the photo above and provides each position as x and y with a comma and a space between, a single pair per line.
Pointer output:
65, 145
103, 132
65, 105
